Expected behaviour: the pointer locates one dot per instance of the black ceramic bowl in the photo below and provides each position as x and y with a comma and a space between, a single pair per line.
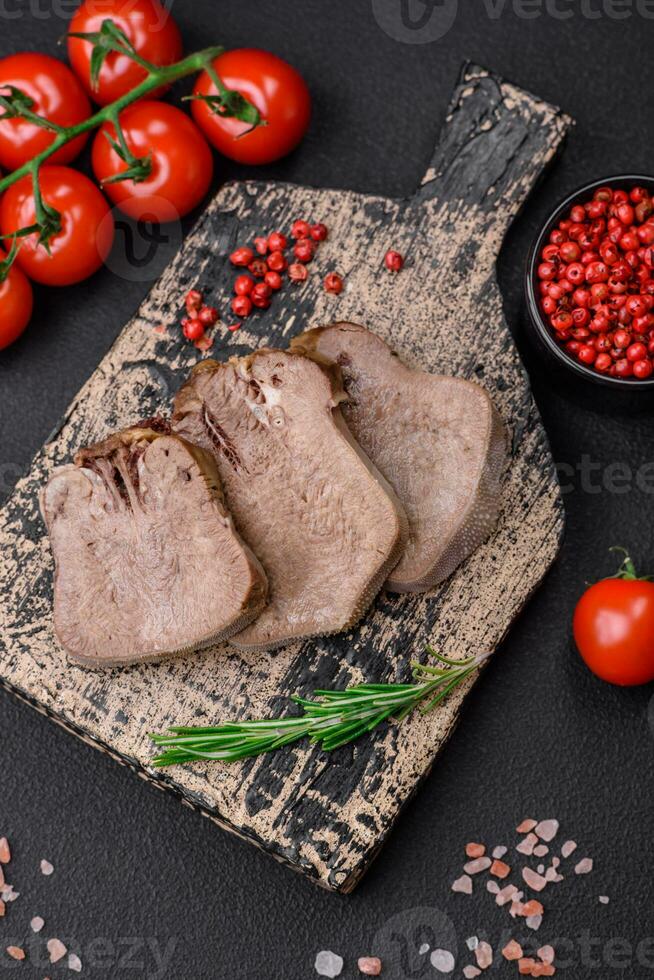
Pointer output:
541, 332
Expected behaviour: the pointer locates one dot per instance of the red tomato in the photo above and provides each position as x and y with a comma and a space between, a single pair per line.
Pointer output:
146, 23
87, 228
182, 164
56, 94
15, 304
614, 628
276, 89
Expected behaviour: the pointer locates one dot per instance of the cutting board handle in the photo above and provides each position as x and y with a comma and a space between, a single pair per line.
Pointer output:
496, 142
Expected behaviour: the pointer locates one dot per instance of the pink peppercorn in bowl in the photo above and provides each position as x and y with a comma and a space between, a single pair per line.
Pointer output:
590, 284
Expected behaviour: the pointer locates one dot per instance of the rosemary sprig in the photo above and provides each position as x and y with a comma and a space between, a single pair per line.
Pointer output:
331, 718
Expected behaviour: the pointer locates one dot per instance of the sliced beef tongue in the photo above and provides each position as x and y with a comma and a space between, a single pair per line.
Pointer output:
325, 525
147, 558
438, 440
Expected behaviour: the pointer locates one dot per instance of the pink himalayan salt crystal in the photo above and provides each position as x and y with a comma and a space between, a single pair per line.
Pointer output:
370, 965
5, 852
506, 894
478, 865
499, 852
472, 942
556, 862
492, 887
16, 952
484, 955
568, 848
604, 899
535, 881
56, 949
37, 923
526, 826
470, 972
512, 951
46, 868
547, 830
8, 893
463, 885
500, 870
74, 963
584, 867
546, 954
541, 869
442, 960
475, 850
541, 850
2, 908
534, 922
527, 845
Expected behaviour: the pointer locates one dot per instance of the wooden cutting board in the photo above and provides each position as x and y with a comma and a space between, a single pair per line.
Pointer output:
325, 815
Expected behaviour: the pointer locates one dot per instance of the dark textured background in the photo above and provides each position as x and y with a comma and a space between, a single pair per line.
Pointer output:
135, 872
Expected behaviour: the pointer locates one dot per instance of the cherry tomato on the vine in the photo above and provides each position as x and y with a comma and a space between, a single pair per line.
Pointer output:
614, 628
181, 162
15, 304
56, 94
149, 27
274, 87
82, 244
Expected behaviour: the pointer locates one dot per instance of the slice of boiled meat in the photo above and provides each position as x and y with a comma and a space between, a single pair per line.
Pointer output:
325, 525
147, 559
439, 442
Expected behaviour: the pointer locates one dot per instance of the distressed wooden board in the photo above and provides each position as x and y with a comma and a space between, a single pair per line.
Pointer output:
326, 816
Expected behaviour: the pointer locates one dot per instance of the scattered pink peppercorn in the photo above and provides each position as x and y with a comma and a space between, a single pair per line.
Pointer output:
277, 242
303, 250
297, 272
241, 305
208, 315
300, 229
319, 232
333, 283
241, 256
261, 245
193, 329
393, 260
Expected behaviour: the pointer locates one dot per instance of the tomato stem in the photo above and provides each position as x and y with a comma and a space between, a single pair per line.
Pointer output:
627, 570
111, 38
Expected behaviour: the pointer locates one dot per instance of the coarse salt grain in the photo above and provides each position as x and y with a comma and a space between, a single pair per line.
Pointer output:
16, 952
478, 865
568, 848
75, 963
533, 879
527, 845
46, 868
547, 830
2, 908
472, 942
424, 949
37, 923
9, 894
506, 894
532, 908
475, 850
541, 850
56, 949
371, 966
526, 826
484, 955
470, 972
534, 922
499, 869
463, 885
5, 852
541, 869
604, 899
546, 954
442, 960
499, 852
584, 867
512, 950
492, 886
525, 966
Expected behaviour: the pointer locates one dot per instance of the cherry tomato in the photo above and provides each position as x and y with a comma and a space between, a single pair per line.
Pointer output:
56, 94
276, 89
181, 161
614, 628
149, 27
15, 304
87, 227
